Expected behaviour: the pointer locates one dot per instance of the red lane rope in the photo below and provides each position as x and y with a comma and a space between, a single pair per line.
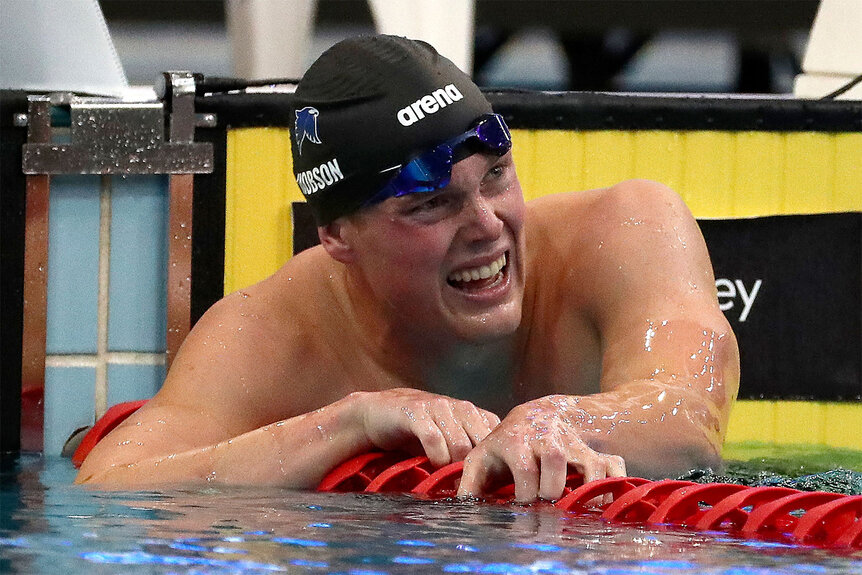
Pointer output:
815, 518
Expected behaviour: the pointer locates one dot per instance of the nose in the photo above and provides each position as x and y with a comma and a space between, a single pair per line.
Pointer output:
481, 220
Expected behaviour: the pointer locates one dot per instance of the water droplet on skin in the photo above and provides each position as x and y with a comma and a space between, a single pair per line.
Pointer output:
648, 337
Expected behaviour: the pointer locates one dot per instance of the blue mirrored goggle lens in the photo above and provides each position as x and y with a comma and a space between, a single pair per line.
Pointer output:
493, 132
432, 170
428, 172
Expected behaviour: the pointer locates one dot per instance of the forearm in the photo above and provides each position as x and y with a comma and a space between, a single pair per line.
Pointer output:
660, 430
296, 452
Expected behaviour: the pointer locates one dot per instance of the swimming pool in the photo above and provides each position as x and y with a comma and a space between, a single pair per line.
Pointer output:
48, 525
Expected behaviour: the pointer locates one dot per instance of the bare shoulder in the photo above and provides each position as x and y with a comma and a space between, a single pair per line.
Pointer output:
243, 359
622, 243
630, 198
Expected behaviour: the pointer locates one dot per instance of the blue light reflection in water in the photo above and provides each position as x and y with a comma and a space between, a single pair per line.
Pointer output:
48, 525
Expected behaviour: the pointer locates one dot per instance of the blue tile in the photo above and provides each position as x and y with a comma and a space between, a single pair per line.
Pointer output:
139, 246
73, 264
129, 382
69, 404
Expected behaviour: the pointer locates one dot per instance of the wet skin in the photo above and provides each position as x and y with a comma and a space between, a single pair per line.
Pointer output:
599, 342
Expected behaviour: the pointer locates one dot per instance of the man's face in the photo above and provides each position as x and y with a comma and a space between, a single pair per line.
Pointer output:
449, 262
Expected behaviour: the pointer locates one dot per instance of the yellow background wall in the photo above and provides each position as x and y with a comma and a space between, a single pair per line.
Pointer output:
718, 174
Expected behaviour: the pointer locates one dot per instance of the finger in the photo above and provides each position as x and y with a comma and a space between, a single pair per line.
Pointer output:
433, 442
476, 424
491, 419
525, 473
552, 479
458, 442
474, 474
593, 467
616, 466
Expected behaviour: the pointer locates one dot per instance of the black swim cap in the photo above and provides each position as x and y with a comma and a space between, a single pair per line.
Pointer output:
366, 105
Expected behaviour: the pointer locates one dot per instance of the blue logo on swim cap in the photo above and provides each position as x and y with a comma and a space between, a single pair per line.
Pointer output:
306, 127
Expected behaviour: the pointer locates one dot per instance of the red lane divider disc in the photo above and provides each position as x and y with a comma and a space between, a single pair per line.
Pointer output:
402, 476
356, 473
851, 538
573, 481
825, 524
731, 513
442, 483
683, 506
775, 516
638, 504
578, 499
116, 415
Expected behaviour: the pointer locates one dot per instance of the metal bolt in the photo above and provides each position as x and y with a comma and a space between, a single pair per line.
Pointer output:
205, 121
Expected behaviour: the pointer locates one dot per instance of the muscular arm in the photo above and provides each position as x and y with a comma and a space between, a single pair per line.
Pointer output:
669, 361
670, 364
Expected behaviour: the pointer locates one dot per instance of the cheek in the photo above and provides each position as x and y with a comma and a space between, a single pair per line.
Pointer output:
513, 208
407, 256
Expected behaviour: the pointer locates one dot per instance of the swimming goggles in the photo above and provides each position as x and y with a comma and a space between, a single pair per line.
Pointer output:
432, 169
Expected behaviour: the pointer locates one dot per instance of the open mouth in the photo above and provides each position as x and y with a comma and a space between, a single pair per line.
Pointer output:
481, 277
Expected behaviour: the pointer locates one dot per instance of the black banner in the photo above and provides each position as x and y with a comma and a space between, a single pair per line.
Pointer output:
791, 287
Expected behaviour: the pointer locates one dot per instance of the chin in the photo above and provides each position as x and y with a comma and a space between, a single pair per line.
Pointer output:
489, 327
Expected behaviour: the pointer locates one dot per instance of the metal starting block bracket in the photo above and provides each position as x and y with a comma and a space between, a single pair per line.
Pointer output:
113, 136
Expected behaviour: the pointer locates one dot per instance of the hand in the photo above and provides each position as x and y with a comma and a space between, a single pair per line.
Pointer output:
537, 443
445, 428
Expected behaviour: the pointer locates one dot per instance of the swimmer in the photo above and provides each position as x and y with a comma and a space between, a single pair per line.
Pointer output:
441, 314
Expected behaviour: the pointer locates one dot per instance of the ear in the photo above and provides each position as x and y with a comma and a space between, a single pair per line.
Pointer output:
335, 239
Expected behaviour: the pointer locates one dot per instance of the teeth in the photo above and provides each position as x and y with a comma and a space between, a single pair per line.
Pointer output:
479, 273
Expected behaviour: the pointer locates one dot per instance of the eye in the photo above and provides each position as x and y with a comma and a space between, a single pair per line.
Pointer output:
429, 203
438, 201
497, 174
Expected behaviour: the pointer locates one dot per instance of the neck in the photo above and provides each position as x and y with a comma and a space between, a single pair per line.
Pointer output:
480, 372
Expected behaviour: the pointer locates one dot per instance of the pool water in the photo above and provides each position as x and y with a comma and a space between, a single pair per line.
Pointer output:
48, 525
